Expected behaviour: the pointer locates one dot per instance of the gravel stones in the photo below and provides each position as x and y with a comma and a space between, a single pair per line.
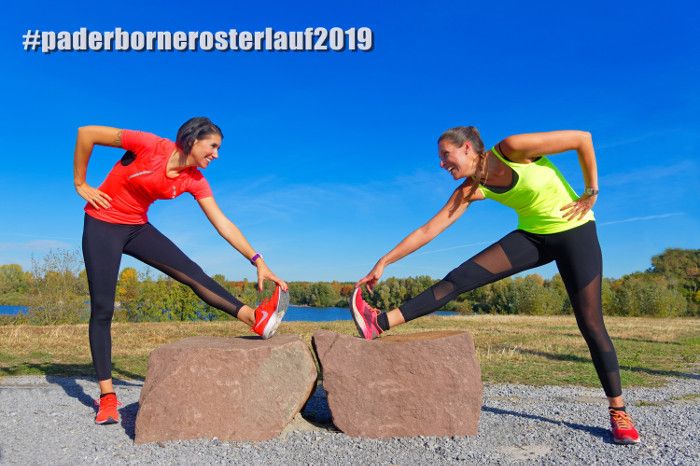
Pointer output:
51, 420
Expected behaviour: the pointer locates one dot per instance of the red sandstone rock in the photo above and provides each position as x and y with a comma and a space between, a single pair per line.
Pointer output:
228, 388
405, 385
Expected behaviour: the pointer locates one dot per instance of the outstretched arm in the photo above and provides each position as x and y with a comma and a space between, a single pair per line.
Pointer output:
524, 148
235, 238
88, 136
446, 216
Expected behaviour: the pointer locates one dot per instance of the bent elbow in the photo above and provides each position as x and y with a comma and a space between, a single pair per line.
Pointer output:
84, 132
506, 146
579, 140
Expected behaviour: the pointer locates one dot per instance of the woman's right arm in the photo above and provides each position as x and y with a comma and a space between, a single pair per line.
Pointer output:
450, 212
88, 136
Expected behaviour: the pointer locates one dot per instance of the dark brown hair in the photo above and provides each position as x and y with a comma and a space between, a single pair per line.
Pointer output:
458, 136
461, 134
193, 129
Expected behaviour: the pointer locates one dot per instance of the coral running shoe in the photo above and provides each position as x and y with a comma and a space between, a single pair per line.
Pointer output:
623, 429
365, 316
270, 312
107, 409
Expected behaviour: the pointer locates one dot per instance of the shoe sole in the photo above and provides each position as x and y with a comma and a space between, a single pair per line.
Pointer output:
282, 305
107, 422
356, 315
625, 441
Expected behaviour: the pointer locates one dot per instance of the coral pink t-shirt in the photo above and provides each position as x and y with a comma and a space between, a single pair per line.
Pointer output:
134, 186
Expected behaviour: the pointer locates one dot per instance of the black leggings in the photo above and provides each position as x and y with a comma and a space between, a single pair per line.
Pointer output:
578, 257
103, 245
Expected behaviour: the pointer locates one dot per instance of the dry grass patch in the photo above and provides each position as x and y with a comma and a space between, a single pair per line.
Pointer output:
516, 349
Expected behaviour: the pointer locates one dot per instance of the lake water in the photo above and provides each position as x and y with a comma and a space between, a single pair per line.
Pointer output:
294, 313
12, 310
322, 314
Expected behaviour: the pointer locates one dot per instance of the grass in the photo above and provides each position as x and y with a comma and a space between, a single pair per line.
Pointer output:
513, 349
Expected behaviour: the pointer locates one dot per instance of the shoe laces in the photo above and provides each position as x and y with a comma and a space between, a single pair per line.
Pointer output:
108, 402
621, 419
375, 312
370, 308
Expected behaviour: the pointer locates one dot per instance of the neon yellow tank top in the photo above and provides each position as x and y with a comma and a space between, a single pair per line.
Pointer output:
538, 196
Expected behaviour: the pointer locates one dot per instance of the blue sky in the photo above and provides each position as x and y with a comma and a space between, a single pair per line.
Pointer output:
329, 159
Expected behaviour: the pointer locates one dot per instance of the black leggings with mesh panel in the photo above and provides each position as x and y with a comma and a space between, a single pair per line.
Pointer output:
103, 245
578, 257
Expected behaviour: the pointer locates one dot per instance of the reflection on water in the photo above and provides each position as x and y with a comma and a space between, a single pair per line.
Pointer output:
322, 314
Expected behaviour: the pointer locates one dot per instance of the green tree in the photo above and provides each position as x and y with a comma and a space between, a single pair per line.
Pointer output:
681, 267
323, 294
150, 307
646, 294
529, 295
299, 293
503, 298
59, 294
393, 292
481, 299
15, 284
180, 302
128, 295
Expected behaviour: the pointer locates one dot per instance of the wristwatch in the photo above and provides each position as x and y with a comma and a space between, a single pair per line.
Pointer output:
255, 257
590, 192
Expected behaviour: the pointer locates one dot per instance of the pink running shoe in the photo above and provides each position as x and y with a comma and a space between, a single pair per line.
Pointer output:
365, 316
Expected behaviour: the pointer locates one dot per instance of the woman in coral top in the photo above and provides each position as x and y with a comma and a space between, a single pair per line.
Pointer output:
116, 223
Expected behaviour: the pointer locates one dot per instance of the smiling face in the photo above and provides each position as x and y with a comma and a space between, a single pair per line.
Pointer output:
459, 161
205, 150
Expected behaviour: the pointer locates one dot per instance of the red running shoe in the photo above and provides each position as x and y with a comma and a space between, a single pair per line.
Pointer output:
107, 409
365, 316
623, 429
270, 312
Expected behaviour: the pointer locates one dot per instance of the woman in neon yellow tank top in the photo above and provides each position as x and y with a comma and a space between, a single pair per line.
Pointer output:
554, 224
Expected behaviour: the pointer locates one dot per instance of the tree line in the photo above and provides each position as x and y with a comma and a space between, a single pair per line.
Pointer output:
55, 291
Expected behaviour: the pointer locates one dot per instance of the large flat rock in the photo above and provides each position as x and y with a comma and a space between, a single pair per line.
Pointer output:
401, 386
229, 388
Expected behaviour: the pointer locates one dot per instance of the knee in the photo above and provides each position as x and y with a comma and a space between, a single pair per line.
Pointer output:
101, 316
598, 338
467, 276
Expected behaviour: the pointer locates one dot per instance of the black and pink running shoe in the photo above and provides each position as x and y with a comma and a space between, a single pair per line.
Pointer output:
365, 316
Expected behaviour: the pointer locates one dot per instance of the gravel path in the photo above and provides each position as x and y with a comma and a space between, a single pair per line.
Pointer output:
50, 420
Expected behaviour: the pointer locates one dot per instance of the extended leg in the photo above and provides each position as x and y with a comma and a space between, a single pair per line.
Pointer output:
514, 253
156, 250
